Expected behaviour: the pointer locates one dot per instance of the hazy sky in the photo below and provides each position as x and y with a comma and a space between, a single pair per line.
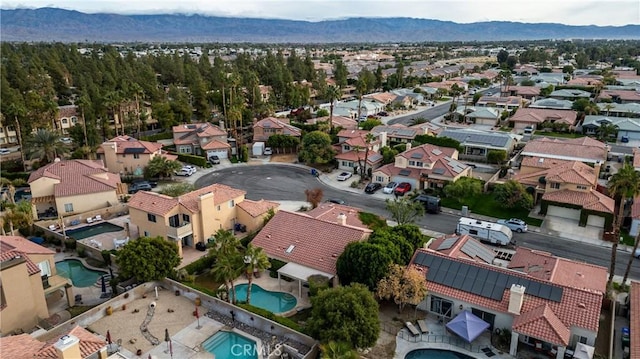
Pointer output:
573, 12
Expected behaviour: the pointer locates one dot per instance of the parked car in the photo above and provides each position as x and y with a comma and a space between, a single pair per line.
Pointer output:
140, 186
372, 187
403, 187
344, 176
153, 184
431, 204
185, 171
637, 253
267, 151
514, 224
214, 160
4, 151
388, 189
336, 201
383, 113
66, 140
193, 169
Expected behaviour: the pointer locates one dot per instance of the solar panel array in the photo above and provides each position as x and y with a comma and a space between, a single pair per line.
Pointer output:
439, 171
484, 282
134, 150
447, 243
404, 172
416, 155
493, 139
474, 249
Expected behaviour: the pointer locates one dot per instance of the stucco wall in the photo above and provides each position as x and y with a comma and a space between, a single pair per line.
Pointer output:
24, 297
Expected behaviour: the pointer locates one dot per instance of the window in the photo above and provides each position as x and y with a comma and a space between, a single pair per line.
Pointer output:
174, 221
151, 217
64, 121
74, 119
45, 268
473, 232
68, 207
379, 179
346, 147
441, 306
419, 164
186, 218
218, 208
582, 187
231, 204
412, 163
555, 185
185, 149
147, 234
136, 156
487, 317
575, 339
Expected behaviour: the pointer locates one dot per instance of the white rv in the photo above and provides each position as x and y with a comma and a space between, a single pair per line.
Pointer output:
485, 231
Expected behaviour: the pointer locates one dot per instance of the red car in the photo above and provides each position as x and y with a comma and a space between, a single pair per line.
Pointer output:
402, 188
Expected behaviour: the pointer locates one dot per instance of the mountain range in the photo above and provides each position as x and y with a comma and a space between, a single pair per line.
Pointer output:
53, 24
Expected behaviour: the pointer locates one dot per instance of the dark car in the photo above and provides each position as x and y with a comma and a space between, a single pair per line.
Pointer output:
383, 113
431, 204
372, 187
140, 186
402, 188
336, 201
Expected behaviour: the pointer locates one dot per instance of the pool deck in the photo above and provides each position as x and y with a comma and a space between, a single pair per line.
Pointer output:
104, 241
271, 284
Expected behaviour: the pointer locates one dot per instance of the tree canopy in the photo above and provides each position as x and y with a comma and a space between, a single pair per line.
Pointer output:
363, 262
316, 148
345, 314
403, 210
148, 259
403, 286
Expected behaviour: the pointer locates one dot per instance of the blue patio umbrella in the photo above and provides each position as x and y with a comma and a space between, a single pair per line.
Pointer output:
467, 326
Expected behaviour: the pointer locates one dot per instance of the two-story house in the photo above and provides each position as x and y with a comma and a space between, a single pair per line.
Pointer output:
567, 189
202, 139
546, 303
537, 118
27, 277
67, 118
425, 166
269, 126
8, 133
397, 133
127, 155
584, 149
352, 149
196, 216
74, 186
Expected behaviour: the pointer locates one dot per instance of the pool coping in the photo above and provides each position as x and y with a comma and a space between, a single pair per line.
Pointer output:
85, 264
257, 341
87, 225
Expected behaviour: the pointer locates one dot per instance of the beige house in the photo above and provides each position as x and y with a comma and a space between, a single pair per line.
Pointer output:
67, 118
78, 343
74, 186
266, 127
125, 154
202, 139
196, 216
27, 277
8, 133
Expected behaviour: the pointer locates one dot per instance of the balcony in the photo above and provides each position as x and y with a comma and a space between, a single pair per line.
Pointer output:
183, 230
52, 283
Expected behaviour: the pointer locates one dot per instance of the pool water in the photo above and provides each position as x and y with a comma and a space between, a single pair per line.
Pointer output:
275, 302
92, 230
227, 345
80, 275
435, 354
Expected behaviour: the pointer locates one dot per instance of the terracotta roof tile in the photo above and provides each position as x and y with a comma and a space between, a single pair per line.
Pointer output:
78, 177
215, 144
257, 208
314, 243
591, 200
20, 346
126, 142
634, 320
352, 133
354, 156
329, 212
542, 321
272, 122
152, 202
540, 115
338, 121
13, 246
541, 162
221, 194
25, 346
455, 250
583, 149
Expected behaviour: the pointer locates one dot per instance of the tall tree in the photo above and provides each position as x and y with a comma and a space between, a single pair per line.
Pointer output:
623, 185
404, 211
148, 259
45, 146
255, 261
332, 94
403, 286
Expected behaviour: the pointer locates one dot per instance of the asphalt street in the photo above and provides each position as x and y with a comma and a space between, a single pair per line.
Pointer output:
284, 182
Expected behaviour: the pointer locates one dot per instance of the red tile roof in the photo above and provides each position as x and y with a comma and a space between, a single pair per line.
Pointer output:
525, 90
625, 95
634, 320
329, 212
12, 246
541, 162
577, 307
572, 172
77, 177
455, 250
25, 346
540, 115
338, 121
126, 142
352, 133
257, 208
583, 149
272, 122
592, 200
635, 208
313, 243
542, 321
215, 144
159, 204
355, 156
67, 111
438, 162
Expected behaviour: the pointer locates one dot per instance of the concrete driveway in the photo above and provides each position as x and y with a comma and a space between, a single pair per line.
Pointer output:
569, 228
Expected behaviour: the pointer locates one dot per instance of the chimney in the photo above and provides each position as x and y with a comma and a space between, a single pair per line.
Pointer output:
221, 124
68, 347
383, 139
342, 219
516, 296
408, 146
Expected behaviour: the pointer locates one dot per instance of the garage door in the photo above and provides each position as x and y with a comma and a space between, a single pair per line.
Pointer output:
596, 221
563, 212
412, 181
220, 153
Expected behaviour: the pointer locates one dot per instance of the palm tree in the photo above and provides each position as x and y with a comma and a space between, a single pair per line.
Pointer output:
624, 184
18, 110
162, 167
18, 215
333, 93
255, 260
368, 138
361, 87
606, 130
337, 350
45, 145
224, 243
631, 258
226, 269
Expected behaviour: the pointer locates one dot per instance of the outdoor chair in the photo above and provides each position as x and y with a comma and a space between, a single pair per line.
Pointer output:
422, 324
412, 329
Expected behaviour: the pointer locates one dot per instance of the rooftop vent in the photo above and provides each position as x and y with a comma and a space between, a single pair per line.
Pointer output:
290, 249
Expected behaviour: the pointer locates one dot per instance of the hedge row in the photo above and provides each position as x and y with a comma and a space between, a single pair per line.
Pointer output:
200, 265
16, 175
269, 315
193, 159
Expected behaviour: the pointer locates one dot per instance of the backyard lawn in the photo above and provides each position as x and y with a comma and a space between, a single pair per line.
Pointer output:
485, 204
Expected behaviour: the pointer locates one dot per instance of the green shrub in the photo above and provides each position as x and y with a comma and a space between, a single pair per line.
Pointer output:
158, 136
106, 257
82, 252
71, 244
269, 315
248, 238
317, 283
373, 221
192, 159
200, 265
12, 176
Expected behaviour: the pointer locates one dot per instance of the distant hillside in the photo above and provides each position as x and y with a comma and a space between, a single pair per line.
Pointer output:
50, 24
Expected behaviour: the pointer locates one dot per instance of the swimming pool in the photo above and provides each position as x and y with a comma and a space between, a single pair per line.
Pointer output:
225, 344
275, 302
92, 230
435, 354
76, 271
